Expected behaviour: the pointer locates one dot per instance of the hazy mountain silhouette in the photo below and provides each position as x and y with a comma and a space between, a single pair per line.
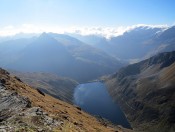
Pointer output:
67, 56
88, 39
10, 50
136, 44
164, 41
63, 55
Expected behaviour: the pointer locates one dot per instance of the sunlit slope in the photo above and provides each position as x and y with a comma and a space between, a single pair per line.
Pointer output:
30, 117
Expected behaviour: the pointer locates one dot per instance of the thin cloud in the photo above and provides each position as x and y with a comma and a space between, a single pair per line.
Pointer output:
102, 31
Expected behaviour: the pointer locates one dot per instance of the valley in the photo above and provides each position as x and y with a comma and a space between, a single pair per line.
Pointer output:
69, 74
87, 66
24, 108
95, 99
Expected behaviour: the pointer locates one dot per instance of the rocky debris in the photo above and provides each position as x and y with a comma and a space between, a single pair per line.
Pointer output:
16, 114
37, 111
33, 118
11, 103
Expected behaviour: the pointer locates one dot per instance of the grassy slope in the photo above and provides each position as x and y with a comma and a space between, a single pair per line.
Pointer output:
146, 93
73, 118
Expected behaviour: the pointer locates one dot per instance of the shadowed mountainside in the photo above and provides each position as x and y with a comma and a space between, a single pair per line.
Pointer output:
58, 87
146, 91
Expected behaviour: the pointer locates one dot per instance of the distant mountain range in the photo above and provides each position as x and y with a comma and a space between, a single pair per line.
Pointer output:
83, 58
58, 54
55, 63
136, 44
146, 92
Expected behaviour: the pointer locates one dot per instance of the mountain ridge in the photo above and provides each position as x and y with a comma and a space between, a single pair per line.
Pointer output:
145, 92
62, 55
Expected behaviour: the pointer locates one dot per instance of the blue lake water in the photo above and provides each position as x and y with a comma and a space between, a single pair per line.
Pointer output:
95, 99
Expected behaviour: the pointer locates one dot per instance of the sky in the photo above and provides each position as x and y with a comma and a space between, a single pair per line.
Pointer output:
40, 15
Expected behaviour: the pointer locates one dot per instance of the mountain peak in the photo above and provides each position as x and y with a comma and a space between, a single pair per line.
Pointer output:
44, 35
46, 38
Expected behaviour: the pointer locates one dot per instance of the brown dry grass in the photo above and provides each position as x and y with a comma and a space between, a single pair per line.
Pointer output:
167, 76
73, 119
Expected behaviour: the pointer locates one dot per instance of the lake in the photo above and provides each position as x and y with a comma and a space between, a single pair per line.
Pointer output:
95, 99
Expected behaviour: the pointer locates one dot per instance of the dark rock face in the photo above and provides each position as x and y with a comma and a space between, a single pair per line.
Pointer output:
145, 91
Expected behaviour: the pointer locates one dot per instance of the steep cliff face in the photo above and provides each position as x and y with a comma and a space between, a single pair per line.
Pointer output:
23, 108
146, 92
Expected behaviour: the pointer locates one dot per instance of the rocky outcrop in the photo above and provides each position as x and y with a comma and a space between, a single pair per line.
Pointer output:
11, 103
17, 114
